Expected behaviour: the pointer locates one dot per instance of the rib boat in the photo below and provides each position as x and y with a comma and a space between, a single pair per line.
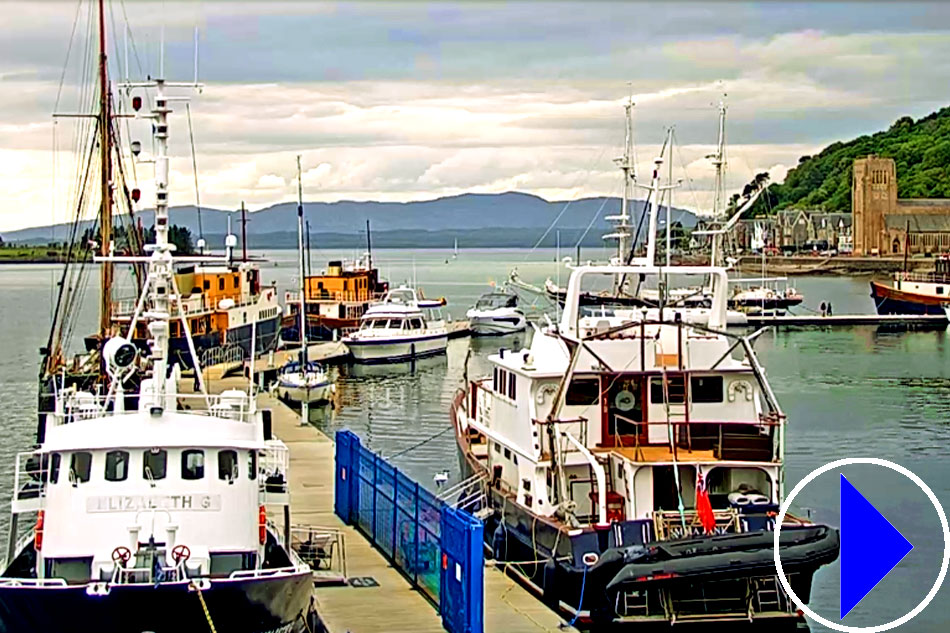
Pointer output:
151, 506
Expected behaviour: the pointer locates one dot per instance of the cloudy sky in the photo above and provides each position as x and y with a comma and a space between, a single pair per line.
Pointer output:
401, 101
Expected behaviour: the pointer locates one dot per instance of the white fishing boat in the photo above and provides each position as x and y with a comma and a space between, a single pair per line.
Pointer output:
401, 327
151, 506
302, 381
496, 313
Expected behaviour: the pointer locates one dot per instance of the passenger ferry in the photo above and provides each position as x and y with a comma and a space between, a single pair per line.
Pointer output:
915, 293
401, 327
631, 464
151, 507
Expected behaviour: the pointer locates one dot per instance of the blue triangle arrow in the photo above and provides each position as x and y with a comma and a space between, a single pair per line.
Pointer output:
870, 547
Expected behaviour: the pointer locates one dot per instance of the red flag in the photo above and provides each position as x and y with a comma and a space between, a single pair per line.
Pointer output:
703, 507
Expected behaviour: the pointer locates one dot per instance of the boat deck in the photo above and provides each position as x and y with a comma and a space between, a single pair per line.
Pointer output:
850, 319
392, 606
658, 453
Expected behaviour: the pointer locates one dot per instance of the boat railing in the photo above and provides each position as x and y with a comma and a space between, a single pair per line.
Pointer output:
228, 405
323, 549
578, 427
729, 440
931, 278
30, 480
268, 572
670, 525
341, 296
190, 305
32, 582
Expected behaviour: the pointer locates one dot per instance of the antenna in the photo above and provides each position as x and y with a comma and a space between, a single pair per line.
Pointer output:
196, 54
161, 52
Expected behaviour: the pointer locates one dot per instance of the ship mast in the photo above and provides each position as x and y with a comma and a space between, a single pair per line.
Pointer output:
719, 162
105, 173
621, 228
303, 281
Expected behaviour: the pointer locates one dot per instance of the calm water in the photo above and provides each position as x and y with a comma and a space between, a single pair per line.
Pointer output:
848, 392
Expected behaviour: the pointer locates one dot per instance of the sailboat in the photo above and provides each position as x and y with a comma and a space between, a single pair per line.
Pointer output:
302, 380
151, 505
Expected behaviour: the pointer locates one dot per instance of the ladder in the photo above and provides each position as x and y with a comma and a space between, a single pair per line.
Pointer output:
767, 595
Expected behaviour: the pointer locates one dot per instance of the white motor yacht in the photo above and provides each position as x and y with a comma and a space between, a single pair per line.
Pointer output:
401, 327
497, 313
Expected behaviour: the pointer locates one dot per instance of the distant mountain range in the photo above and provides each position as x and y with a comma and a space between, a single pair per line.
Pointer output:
510, 219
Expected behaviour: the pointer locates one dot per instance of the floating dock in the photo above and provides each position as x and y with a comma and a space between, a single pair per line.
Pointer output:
933, 320
380, 600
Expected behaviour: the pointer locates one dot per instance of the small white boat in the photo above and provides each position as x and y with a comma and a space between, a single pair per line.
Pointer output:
400, 327
496, 313
311, 385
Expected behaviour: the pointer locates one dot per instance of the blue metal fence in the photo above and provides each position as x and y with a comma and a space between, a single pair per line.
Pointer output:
437, 547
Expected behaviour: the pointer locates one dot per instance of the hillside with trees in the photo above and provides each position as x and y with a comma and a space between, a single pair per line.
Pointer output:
921, 150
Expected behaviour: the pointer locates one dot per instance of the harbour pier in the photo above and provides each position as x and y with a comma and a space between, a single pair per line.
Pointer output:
376, 597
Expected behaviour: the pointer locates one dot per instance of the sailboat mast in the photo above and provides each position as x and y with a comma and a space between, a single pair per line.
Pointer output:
105, 172
719, 162
303, 281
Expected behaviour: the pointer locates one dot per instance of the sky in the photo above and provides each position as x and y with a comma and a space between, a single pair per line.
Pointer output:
409, 101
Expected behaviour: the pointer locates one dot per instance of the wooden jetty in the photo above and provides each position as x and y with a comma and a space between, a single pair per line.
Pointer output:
389, 604
933, 320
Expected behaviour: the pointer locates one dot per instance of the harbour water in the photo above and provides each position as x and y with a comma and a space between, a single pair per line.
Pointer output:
848, 392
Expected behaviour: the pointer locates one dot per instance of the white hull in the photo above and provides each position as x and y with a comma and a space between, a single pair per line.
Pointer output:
497, 325
395, 349
310, 395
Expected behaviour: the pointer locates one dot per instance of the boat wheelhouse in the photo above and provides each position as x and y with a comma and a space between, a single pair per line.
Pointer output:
335, 300
496, 312
224, 303
402, 326
636, 456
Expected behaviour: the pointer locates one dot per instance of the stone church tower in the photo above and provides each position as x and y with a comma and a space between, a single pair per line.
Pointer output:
873, 196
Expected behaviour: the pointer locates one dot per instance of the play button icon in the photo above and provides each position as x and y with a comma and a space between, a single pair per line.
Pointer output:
870, 547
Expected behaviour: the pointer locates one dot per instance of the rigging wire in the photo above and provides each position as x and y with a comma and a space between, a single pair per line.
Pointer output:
194, 168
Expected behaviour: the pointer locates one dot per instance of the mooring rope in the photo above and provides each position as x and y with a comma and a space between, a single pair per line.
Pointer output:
204, 607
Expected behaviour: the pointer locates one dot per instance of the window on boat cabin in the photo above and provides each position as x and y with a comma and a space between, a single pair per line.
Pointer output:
507, 453
724, 480
117, 465
252, 464
415, 324
665, 496
154, 463
583, 392
227, 465
512, 381
220, 283
55, 460
675, 385
237, 282
939, 290
223, 564
192, 464
80, 467
206, 284
497, 447
705, 389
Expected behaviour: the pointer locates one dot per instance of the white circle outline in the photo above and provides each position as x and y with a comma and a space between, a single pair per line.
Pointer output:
876, 462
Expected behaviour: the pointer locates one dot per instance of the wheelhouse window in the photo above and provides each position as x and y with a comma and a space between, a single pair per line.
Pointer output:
512, 381
583, 392
227, 465
705, 389
117, 465
675, 385
80, 467
154, 464
415, 324
252, 464
192, 464
55, 461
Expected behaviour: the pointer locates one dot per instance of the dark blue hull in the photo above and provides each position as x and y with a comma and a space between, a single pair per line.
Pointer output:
259, 605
